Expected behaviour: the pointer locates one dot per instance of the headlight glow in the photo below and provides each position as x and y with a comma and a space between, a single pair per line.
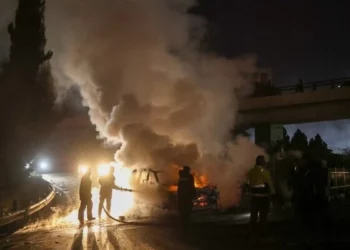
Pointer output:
43, 165
103, 169
82, 169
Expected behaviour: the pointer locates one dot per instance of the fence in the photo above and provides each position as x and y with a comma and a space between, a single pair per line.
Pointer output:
338, 182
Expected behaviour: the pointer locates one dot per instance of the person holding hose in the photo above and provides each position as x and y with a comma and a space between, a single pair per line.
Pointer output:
107, 184
261, 191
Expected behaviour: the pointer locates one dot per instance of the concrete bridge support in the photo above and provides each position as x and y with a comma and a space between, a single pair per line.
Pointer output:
266, 135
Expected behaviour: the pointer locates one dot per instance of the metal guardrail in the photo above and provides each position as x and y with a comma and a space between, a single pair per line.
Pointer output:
309, 86
334, 83
29, 211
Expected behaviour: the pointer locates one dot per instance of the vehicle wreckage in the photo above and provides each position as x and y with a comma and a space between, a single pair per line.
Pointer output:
207, 196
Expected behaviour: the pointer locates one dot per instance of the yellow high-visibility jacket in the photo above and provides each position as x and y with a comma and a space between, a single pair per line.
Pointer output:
258, 177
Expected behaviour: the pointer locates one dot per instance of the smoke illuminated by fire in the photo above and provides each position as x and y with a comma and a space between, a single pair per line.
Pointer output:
149, 88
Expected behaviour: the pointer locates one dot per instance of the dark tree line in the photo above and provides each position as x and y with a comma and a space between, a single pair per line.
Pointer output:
316, 147
26, 89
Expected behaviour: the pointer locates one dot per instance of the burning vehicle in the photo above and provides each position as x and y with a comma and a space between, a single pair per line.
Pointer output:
153, 188
207, 197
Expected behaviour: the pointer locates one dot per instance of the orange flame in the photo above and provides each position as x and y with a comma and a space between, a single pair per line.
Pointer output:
200, 179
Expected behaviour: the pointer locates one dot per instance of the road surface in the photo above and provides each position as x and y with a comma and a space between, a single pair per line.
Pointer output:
209, 231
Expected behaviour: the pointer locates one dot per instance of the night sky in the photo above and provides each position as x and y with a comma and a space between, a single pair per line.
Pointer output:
294, 38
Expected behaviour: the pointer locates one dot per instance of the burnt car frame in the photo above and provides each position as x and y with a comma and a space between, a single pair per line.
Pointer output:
207, 197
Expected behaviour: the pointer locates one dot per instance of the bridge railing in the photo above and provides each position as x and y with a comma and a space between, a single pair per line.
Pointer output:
334, 83
310, 86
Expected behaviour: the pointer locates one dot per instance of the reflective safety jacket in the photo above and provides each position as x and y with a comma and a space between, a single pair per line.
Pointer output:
260, 182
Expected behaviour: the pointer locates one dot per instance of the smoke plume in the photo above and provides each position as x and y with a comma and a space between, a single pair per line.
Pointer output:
149, 88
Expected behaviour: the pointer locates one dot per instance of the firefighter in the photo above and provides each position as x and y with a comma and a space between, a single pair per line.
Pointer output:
185, 194
85, 197
261, 190
107, 186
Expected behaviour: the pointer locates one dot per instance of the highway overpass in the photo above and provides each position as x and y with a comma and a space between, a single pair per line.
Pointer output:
322, 105
324, 101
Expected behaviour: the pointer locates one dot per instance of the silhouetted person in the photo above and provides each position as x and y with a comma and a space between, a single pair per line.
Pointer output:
185, 194
332, 84
85, 197
310, 197
106, 190
319, 200
261, 190
300, 86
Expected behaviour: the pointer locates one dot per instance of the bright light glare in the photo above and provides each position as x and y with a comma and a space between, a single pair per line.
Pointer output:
43, 165
82, 169
27, 166
122, 202
103, 169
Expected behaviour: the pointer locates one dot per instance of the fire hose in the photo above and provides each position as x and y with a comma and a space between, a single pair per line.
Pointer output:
128, 222
121, 220
134, 222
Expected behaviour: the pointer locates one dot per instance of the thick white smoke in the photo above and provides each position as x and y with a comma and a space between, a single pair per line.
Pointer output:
148, 87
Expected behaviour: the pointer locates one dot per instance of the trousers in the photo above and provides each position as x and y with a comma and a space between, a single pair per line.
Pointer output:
259, 208
103, 198
85, 204
185, 208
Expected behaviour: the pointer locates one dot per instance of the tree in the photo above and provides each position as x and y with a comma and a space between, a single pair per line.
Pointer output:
318, 148
285, 141
346, 157
335, 161
283, 144
299, 141
26, 87
28, 40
